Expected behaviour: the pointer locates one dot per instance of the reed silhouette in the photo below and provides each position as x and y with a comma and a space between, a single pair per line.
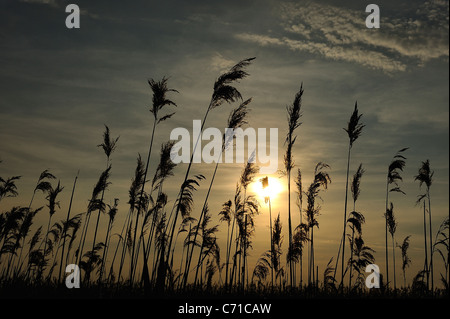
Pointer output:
354, 130
355, 219
236, 119
442, 246
294, 114
222, 92
425, 176
138, 253
393, 177
321, 180
406, 261
392, 227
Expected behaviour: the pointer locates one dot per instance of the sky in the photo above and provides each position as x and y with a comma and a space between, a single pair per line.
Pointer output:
60, 86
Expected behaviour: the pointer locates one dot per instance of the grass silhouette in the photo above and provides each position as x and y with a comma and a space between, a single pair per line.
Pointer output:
150, 232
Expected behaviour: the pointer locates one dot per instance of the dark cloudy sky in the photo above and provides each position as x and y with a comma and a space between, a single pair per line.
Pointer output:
58, 87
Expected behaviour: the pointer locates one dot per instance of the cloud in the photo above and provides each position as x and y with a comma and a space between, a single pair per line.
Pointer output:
340, 34
372, 59
219, 63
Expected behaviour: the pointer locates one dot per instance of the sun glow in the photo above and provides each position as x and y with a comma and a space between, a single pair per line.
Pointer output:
272, 190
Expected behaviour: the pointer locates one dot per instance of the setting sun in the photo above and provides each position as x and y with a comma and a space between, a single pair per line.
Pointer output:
272, 190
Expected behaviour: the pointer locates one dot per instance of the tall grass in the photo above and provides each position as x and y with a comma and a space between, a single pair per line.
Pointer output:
138, 256
159, 101
354, 130
294, 114
442, 246
247, 177
406, 261
66, 226
392, 227
108, 146
236, 119
425, 176
356, 219
321, 180
392, 179
223, 91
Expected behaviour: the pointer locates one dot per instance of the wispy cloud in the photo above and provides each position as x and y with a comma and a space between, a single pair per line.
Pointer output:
340, 34
220, 63
372, 59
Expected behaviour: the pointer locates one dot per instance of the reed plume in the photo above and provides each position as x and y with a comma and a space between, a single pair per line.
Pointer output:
425, 176
406, 261
223, 91
247, 176
393, 178
52, 204
95, 203
362, 256
236, 119
43, 184
294, 114
355, 219
64, 234
321, 179
354, 130
392, 227
160, 100
8, 187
